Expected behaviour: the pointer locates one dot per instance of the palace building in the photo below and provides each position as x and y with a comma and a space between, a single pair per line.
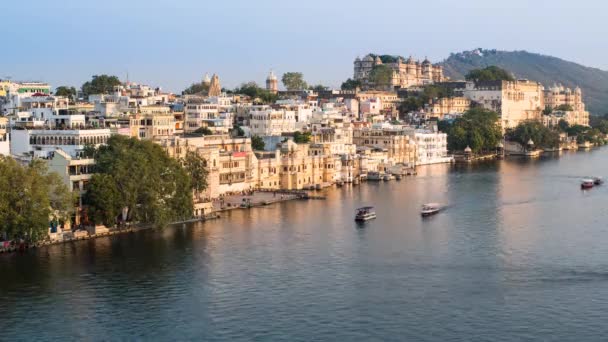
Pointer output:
406, 73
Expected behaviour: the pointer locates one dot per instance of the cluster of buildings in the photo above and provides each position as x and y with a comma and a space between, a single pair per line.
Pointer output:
310, 139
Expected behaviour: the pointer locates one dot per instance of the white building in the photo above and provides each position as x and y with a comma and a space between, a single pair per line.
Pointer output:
41, 143
5, 138
431, 147
269, 121
197, 113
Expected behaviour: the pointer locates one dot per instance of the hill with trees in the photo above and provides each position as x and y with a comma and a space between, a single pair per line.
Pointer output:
542, 68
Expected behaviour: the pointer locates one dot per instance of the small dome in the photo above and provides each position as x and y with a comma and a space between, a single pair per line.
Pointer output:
426, 61
368, 58
468, 149
206, 79
357, 59
271, 76
577, 90
410, 60
378, 60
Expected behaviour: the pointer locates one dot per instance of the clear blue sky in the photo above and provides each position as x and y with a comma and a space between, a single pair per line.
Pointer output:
173, 43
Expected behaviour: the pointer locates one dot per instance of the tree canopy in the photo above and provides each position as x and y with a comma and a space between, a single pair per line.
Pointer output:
100, 84
196, 88
381, 75
254, 91
301, 138
350, 84
540, 135
69, 92
491, 73
477, 128
138, 179
32, 198
294, 81
257, 143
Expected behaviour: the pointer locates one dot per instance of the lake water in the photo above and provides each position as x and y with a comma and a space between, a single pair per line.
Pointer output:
520, 254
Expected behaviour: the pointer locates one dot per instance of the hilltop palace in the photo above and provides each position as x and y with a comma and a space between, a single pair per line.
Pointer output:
406, 73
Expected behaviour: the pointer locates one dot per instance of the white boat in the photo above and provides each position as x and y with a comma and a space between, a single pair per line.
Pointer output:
365, 214
388, 177
429, 209
587, 183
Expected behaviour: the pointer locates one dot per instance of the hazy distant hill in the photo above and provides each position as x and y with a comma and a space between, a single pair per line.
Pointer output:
545, 69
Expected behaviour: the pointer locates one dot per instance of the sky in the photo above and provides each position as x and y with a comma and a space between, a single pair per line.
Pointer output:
173, 43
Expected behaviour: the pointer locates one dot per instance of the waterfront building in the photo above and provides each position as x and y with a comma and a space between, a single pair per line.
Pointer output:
431, 146
397, 141
447, 106
272, 83
406, 73
76, 172
566, 104
514, 101
388, 100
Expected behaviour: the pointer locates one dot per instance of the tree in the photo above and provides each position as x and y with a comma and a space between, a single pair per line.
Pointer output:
563, 125
381, 76
196, 88
477, 128
257, 143
196, 167
491, 73
410, 104
254, 91
139, 179
203, 131
541, 135
350, 84
100, 84
238, 131
301, 138
318, 88
69, 92
294, 81
31, 198
564, 107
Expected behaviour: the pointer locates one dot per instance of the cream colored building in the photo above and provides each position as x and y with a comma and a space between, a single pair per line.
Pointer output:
560, 96
515, 101
152, 126
394, 140
441, 107
406, 73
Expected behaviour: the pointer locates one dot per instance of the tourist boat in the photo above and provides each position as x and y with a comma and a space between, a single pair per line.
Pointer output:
429, 209
387, 177
587, 183
365, 214
374, 176
598, 180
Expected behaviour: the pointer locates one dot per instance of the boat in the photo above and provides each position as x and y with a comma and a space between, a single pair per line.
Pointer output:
429, 209
587, 183
398, 177
388, 177
365, 214
598, 180
374, 176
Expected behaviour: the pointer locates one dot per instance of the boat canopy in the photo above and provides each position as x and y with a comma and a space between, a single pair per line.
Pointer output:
365, 208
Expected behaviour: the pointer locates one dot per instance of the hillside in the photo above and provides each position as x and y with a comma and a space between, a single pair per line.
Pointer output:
545, 69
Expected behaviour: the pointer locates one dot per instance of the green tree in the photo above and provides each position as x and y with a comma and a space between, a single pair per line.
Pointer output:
491, 73
318, 87
140, 179
257, 143
238, 131
563, 125
477, 128
564, 107
410, 104
203, 131
254, 91
69, 92
100, 84
196, 88
301, 138
541, 135
350, 84
31, 197
294, 81
196, 167
381, 76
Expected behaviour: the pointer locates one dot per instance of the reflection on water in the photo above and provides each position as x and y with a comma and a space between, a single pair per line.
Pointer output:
520, 253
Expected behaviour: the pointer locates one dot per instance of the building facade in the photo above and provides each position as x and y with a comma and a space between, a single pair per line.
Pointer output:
406, 73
